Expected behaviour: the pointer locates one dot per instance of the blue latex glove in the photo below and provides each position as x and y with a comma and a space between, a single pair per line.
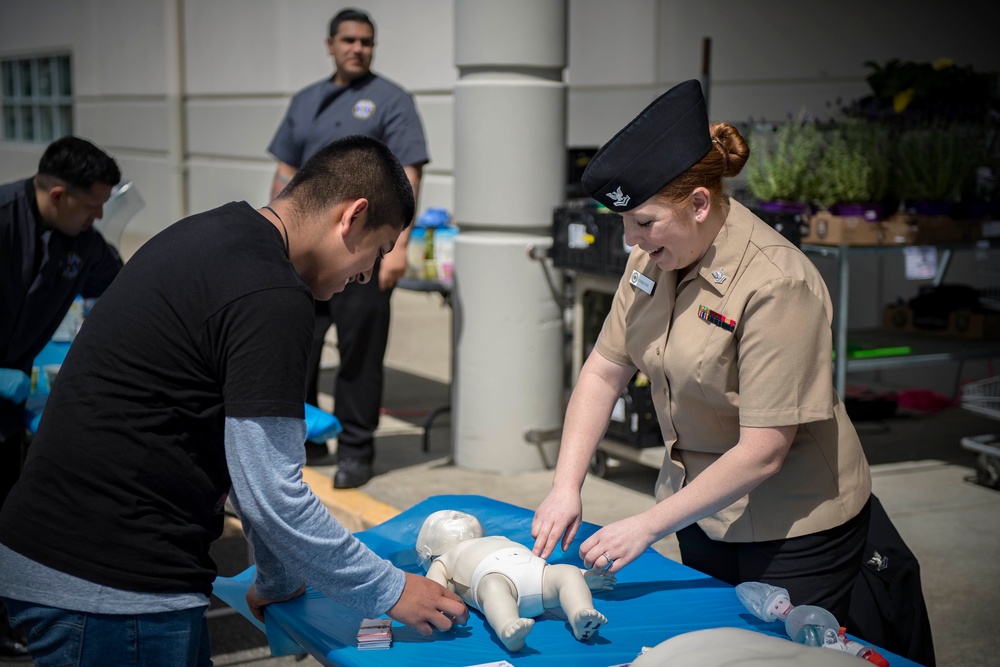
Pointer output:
321, 425
14, 385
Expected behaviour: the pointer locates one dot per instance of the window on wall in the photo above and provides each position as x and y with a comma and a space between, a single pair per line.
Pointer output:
37, 94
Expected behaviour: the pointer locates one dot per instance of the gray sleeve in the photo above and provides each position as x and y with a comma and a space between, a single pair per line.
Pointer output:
284, 146
295, 538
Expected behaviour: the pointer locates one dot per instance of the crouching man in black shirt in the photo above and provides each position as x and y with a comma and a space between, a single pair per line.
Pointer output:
50, 252
186, 386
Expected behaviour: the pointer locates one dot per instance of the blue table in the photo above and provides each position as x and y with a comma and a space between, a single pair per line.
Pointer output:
655, 599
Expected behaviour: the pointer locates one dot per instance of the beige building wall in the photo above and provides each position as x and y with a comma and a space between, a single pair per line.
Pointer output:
242, 60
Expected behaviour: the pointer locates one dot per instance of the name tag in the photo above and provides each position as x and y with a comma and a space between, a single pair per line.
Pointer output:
642, 282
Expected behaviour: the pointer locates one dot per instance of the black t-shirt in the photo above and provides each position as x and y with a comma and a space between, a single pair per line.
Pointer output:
126, 478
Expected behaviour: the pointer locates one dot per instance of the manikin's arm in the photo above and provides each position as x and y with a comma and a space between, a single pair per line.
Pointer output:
599, 581
439, 573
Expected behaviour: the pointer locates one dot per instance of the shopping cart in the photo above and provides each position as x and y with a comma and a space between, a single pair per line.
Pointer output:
983, 397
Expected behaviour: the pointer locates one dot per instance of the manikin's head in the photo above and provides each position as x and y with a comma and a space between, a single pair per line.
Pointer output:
444, 529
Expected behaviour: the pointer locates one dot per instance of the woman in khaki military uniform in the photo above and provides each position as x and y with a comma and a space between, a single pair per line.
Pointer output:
764, 478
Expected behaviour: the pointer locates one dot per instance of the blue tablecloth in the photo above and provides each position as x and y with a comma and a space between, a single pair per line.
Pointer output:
655, 599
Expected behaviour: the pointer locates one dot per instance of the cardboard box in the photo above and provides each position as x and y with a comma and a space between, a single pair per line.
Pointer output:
962, 323
828, 229
898, 230
929, 229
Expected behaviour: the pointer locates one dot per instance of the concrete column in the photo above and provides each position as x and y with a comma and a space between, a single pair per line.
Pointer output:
510, 127
176, 114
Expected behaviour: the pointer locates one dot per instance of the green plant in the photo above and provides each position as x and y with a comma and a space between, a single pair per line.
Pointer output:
854, 165
783, 161
908, 93
931, 164
981, 182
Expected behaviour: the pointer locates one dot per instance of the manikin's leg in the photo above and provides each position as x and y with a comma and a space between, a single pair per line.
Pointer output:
499, 602
564, 586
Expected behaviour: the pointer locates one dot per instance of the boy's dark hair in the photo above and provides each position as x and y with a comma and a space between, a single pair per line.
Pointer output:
78, 163
351, 168
349, 15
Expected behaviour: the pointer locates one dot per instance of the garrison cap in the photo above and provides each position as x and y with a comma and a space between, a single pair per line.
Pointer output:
665, 140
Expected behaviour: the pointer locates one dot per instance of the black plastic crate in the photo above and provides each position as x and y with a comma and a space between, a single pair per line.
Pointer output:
633, 420
578, 240
589, 240
793, 226
616, 252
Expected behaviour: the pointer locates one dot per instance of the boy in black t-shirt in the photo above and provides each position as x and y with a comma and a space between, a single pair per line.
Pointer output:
187, 385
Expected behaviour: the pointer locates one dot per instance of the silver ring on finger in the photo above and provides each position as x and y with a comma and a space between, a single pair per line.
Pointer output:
610, 562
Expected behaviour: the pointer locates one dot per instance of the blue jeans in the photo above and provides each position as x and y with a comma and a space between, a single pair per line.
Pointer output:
63, 638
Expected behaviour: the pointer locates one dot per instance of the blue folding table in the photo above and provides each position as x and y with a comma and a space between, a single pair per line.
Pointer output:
654, 600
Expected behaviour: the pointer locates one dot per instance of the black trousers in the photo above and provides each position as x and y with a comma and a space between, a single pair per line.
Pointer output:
361, 315
818, 569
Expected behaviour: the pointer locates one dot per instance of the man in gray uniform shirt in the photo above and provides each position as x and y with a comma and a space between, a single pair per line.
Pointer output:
354, 100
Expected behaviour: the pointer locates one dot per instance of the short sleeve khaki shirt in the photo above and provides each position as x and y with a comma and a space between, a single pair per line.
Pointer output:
744, 340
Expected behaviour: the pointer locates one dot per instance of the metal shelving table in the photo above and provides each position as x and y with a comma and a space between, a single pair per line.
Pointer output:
926, 349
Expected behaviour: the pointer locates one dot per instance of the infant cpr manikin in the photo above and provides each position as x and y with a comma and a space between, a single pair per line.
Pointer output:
505, 581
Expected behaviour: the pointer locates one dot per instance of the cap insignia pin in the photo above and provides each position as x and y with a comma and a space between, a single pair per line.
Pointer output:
617, 198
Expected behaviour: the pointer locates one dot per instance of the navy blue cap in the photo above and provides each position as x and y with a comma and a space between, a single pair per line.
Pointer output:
661, 143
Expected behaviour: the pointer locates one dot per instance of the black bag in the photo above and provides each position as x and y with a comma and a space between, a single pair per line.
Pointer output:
887, 602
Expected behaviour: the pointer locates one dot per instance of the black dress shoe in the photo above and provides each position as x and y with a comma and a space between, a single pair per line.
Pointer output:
13, 650
317, 454
351, 474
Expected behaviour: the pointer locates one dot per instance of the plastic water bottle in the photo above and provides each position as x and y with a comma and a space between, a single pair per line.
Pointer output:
804, 624
71, 322
433, 220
